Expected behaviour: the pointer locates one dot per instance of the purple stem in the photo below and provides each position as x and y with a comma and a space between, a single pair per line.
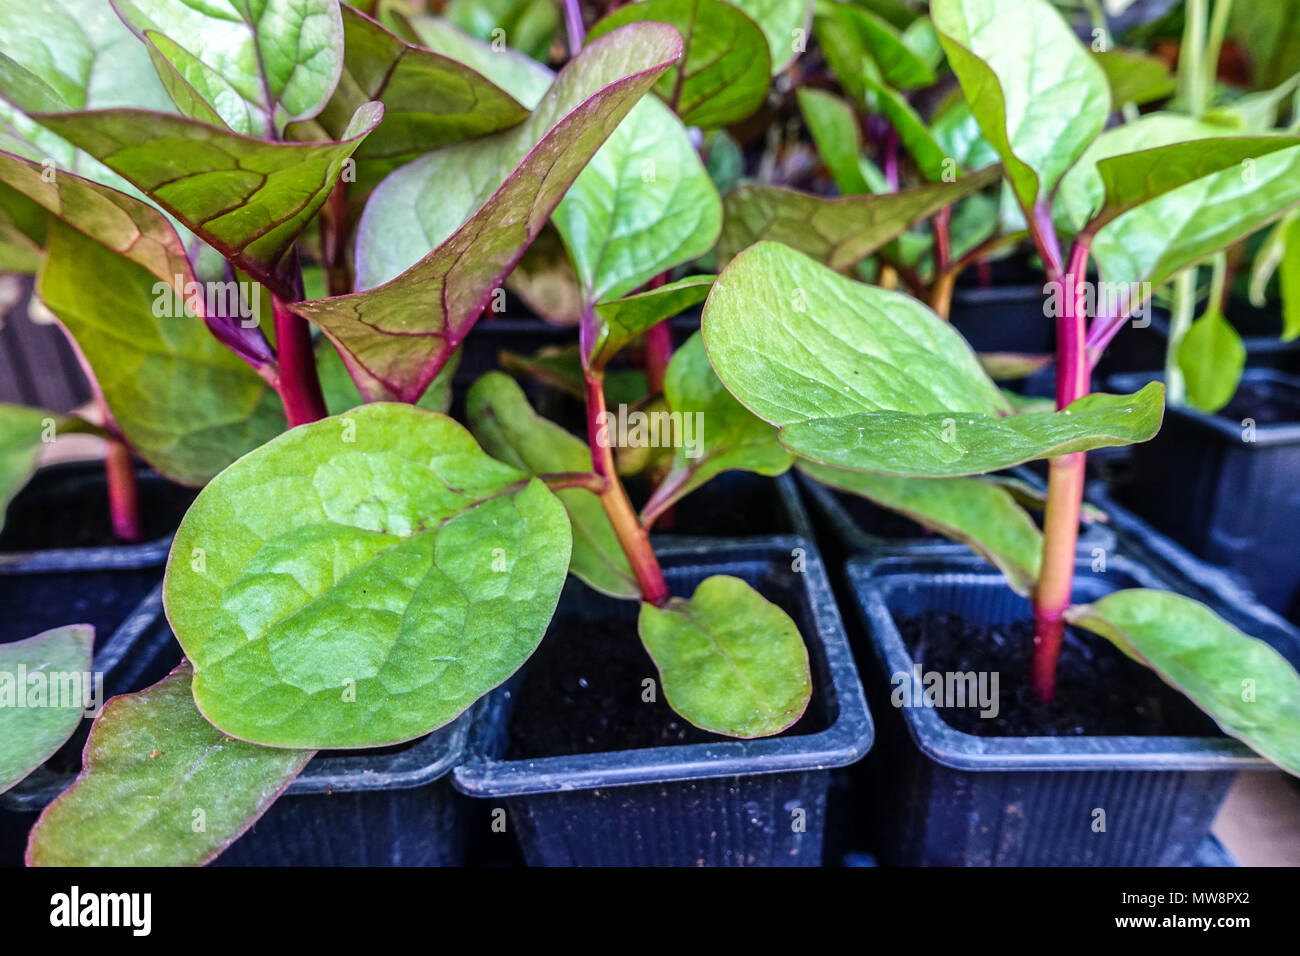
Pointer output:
573, 23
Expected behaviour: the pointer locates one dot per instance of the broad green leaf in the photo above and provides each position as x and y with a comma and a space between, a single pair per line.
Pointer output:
20, 447
154, 768
835, 131
729, 660
44, 692
527, 25
723, 434
1267, 30
545, 281
1039, 96
429, 99
247, 198
1289, 281
477, 205
560, 367
1247, 687
622, 320
341, 393
186, 403
1139, 162
259, 64
978, 513
522, 77
958, 135
641, 206
1211, 357
510, 431
840, 232
725, 69
898, 65
1134, 76
779, 20
871, 380
364, 580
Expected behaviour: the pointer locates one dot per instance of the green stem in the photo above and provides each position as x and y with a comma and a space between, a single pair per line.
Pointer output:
1214, 45
1180, 320
1191, 59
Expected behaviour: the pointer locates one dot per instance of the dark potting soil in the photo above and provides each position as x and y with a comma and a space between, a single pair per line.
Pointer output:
1262, 402
1099, 691
63, 513
583, 694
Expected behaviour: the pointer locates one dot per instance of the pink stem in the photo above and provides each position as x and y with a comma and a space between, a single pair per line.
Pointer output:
123, 493
297, 383
573, 24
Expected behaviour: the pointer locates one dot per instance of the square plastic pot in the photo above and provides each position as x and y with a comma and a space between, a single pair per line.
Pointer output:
725, 803
850, 538
387, 807
1140, 349
1004, 318
1228, 493
935, 796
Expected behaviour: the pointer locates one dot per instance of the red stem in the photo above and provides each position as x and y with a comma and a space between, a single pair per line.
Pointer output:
658, 353
297, 382
123, 492
1064, 485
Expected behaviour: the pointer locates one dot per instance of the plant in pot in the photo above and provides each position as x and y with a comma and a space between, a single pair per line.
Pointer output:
870, 388
307, 524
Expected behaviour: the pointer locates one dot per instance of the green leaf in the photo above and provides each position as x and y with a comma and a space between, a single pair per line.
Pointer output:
1140, 162
55, 664
839, 232
1010, 365
523, 78
560, 367
729, 660
863, 378
527, 25
151, 762
779, 20
510, 431
1247, 687
622, 320
916, 137
1211, 357
641, 206
1040, 98
545, 281
978, 513
341, 393
835, 131
478, 204
259, 64
1266, 28
247, 198
725, 69
1289, 281
186, 403
430, 100
725, 435
364, 580
20, 448
898, 65
1135, 76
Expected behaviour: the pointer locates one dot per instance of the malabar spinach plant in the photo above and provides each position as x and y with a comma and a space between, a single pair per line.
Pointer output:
874, 394
358, 580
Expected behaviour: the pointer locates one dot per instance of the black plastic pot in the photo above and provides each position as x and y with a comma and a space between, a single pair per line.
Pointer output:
833, 515
1004, 318
721, 803
1225, 490
937, 796
1140, 349
737, 504
387, 807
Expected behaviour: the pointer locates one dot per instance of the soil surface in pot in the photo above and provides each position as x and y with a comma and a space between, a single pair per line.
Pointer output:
583, 694
74, 513
1099, 691
1262, 402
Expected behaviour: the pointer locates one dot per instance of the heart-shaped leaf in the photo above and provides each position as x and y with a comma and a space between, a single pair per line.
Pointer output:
258, 64
729, 660
248, 198
154, 770
186, 403
364, 579
725, 69
429, 99
622, 320
1244, 684
1211, 357
510, 431
44, 692
641, 206
834, 130
978, 513
871, 380
723, 434
781, 22
839, 232
1040, 98
484, 196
